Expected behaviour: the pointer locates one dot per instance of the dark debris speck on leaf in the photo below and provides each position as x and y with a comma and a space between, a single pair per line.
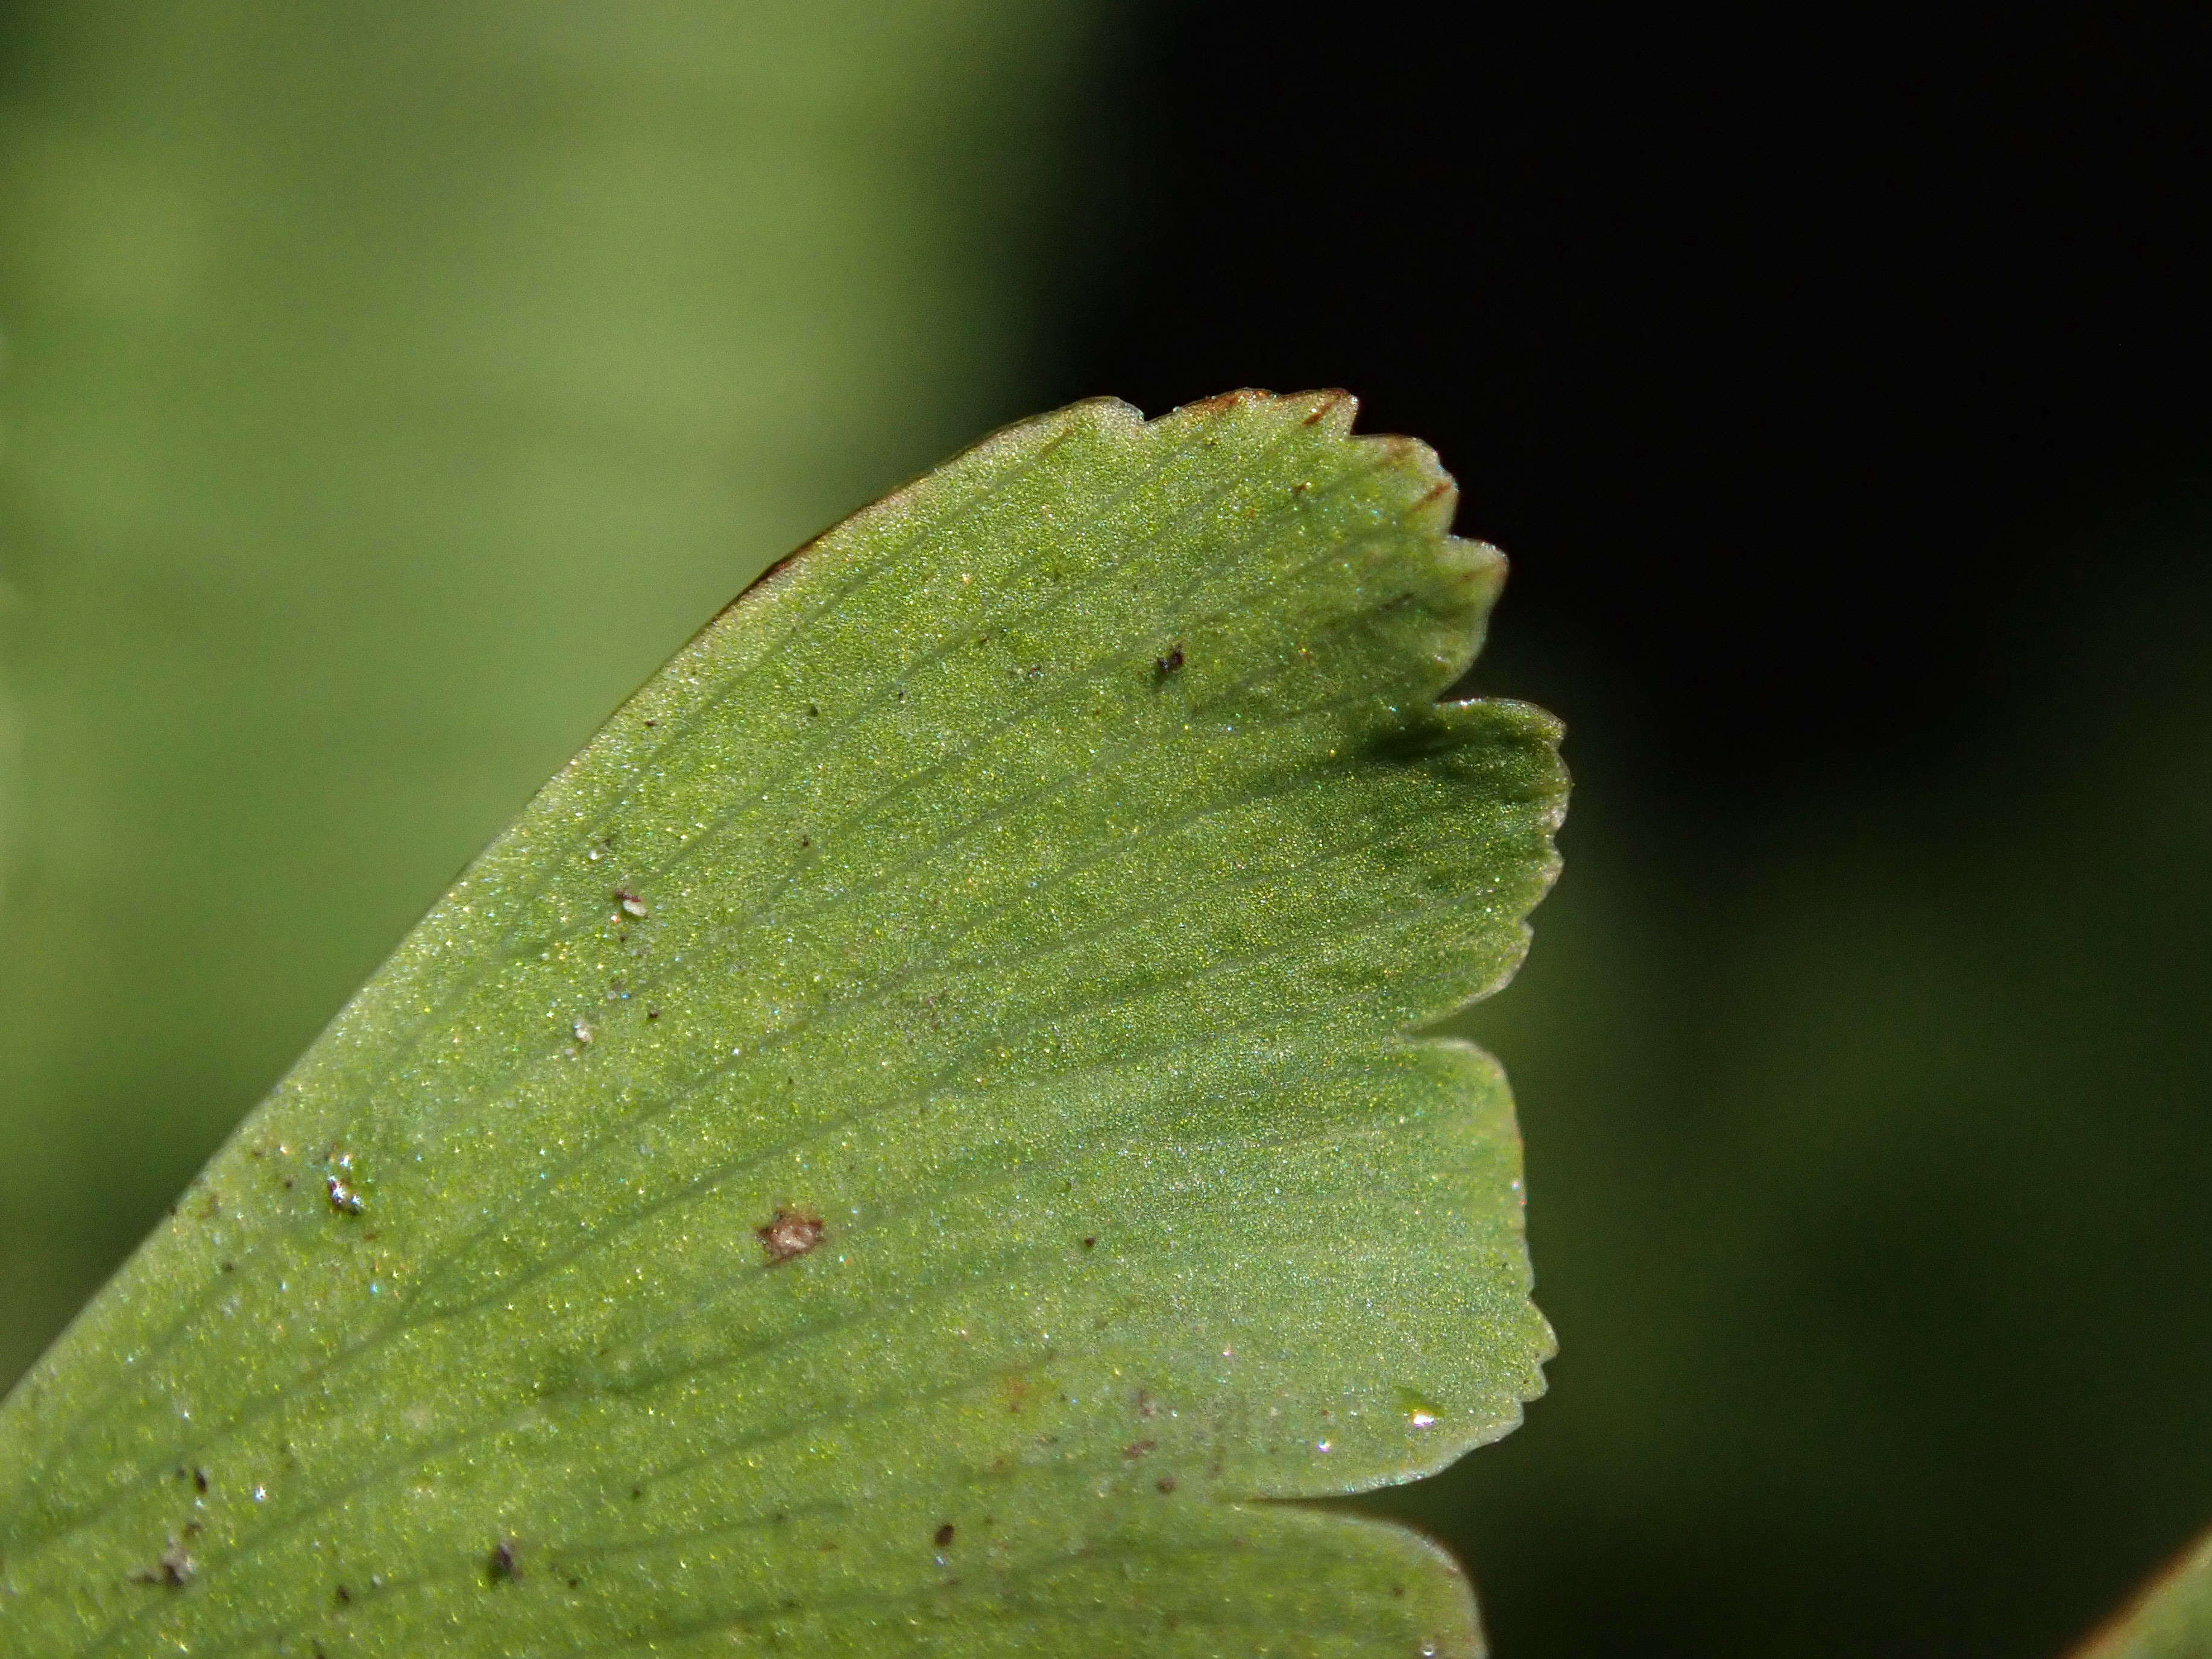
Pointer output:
171, 1571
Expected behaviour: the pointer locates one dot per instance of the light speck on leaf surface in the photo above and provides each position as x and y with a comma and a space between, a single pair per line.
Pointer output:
1047, 867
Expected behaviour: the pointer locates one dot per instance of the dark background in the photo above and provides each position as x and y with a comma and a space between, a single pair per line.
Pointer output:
1787, 349
387, 392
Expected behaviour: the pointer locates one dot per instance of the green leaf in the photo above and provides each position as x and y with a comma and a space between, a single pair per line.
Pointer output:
903, 1143
2171, 1620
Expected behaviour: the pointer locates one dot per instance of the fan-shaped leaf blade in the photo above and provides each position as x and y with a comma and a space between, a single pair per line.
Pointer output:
908, 1137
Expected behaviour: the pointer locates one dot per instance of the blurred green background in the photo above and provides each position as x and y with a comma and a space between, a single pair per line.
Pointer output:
387, 390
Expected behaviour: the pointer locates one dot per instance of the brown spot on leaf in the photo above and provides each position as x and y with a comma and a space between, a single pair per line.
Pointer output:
1091, 1244
1330, 400
506, 1562
1223, 403
944, 1534
1166, 1483
1137, 1448
792, 1233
